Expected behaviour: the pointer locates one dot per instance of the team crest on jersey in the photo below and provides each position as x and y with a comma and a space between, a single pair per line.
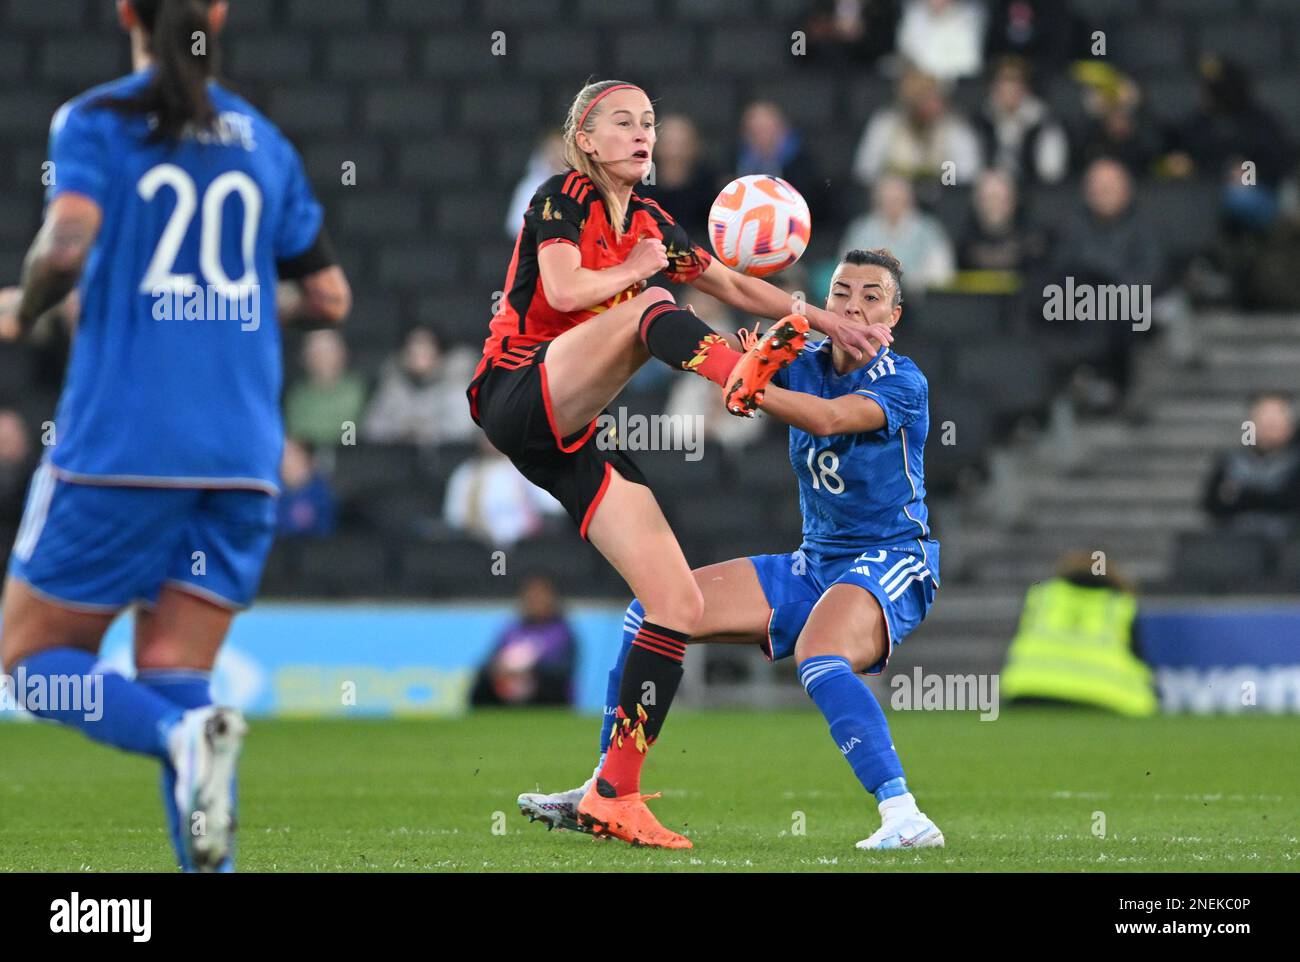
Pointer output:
548, 213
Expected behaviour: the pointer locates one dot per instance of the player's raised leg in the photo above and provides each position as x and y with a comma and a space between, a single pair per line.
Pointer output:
588, 365
847, 633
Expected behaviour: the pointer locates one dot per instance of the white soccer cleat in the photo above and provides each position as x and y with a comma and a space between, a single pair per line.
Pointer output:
205, 747
557, 811
907, 831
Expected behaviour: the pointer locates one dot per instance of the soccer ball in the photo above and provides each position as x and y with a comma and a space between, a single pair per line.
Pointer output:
759, 225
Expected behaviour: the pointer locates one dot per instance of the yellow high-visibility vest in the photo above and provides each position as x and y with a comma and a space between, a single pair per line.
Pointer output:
1075, 644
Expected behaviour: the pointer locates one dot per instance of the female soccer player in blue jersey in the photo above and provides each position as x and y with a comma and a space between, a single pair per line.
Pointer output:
174, 210
867, 570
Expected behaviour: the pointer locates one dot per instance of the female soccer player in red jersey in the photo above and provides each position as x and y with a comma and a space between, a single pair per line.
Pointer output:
574, 326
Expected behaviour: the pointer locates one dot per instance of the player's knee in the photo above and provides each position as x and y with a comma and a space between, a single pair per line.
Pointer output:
652, 295
161, 651
681, 609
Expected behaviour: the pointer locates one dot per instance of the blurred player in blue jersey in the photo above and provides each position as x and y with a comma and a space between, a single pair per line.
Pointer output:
174, 212
867, 571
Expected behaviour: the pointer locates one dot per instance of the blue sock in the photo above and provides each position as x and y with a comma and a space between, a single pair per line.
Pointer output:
857, 724
126, 715
632, 619
188, 688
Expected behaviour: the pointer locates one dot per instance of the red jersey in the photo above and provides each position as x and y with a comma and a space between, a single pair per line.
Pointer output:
568, 209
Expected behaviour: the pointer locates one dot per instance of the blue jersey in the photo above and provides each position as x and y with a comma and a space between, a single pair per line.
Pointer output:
175, 372
861, 490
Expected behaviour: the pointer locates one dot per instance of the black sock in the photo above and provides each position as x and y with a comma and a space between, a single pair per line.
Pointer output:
651, 674
680, 339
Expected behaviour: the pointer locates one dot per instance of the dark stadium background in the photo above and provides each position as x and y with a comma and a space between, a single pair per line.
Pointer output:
440, 132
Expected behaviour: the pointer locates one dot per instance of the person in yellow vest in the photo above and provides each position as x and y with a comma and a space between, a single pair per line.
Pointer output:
1076, 643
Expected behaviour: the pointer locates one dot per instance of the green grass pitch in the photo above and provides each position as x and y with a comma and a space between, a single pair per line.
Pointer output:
1028, 791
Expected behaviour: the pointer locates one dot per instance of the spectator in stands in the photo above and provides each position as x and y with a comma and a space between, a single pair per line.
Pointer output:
769, 145
533, 660
916, 136
1108, 242
307, 508
945, 38
1019, 134
1228, 130
684, 182
17, 461
997, 235
318, 408
1043, 32
1116, 126
1255, 488
848, 34
1267, 265
695, 397
488, 499
421, 394
914, 237
546, 160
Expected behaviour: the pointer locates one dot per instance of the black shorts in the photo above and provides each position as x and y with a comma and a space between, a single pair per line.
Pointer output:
513, 406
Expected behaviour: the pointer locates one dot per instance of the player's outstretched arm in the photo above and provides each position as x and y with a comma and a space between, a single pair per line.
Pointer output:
55, 260
753, 295
823, 417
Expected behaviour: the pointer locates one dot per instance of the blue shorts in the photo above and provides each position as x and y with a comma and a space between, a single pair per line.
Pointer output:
903, 578
99, 548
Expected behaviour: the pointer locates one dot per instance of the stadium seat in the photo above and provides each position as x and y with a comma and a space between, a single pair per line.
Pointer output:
347, 565
1286, 570
1012, 376
269, 57
310, 109
1150, 46
459, 568
1171, 100
960, 315
810, 100
567, 559
952, 206
670, 470
445, 160
551, 51
363, 467
328, 13
71, 61
742, 50
407, 110
962, 417
1215, 10
663, 48
499, 106
1184, 214
1281, 95
1096, 12
1257, 43
376, 214
459, 52
930, 353
1219, 562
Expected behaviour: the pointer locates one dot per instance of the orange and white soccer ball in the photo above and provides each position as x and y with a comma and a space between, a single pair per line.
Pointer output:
759, 225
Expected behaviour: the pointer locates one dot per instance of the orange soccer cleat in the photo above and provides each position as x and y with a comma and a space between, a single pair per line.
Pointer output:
626, 817
781, 344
